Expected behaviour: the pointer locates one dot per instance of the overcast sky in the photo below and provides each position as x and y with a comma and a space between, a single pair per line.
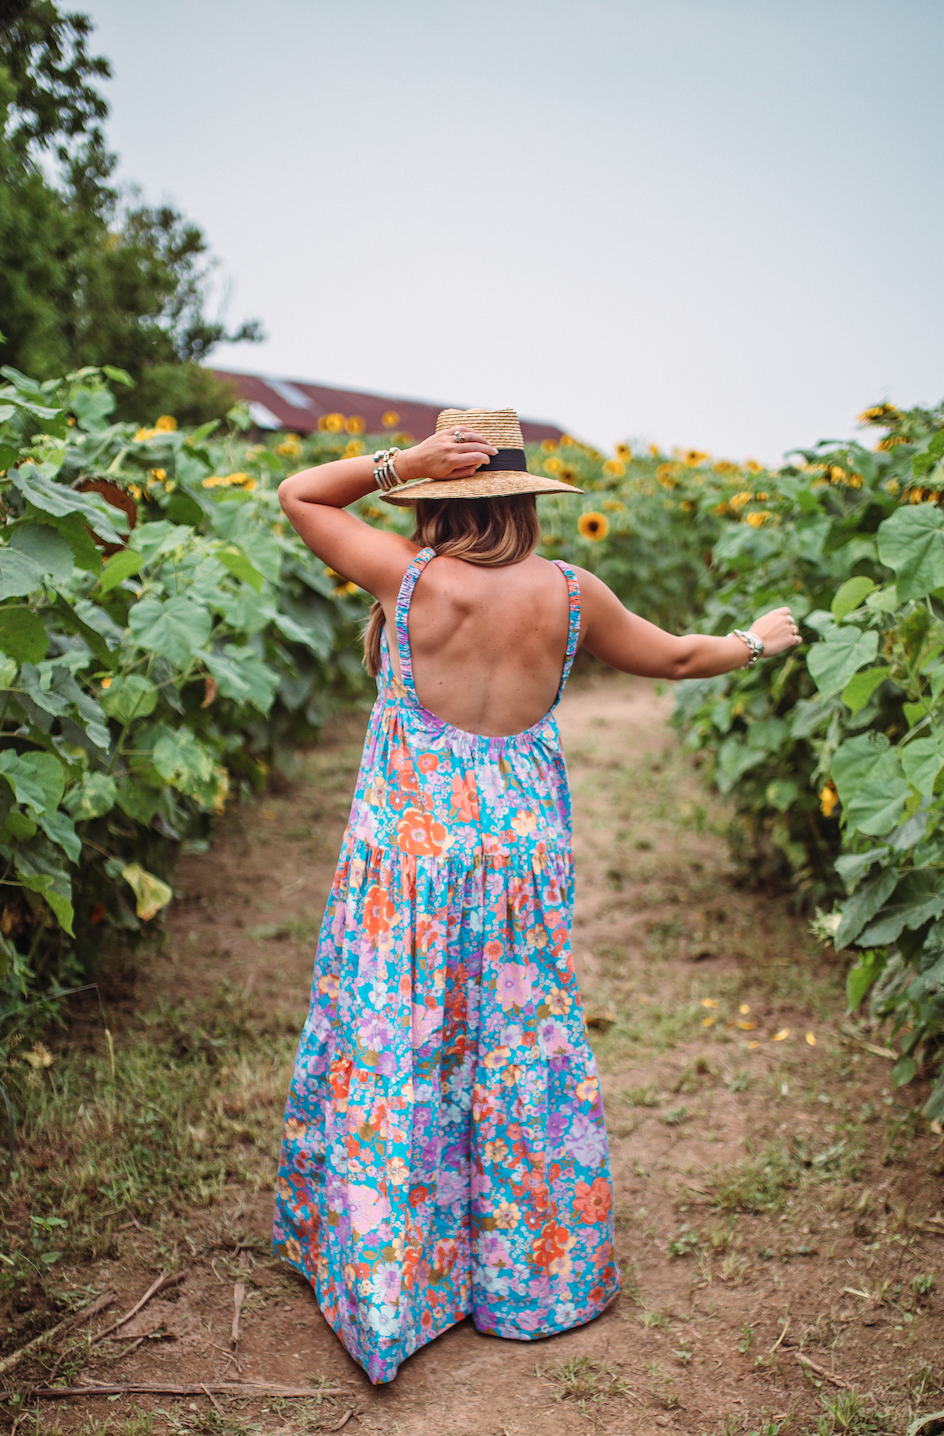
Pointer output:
713, 224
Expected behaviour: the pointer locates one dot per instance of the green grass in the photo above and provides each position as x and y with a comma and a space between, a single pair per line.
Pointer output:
582, 1379
757, 1184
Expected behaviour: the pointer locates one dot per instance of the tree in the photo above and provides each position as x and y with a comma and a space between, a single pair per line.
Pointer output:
85, 278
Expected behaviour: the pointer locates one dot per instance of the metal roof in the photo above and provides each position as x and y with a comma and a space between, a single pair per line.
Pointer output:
298, 406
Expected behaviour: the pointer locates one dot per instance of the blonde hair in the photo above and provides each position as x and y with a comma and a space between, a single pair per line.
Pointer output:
492, 532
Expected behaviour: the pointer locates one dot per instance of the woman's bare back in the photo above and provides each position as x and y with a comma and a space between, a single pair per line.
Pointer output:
488, 644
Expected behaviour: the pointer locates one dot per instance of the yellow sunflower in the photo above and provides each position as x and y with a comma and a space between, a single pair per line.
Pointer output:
166, 424
354, 424
391, 419
593, 526
614, 468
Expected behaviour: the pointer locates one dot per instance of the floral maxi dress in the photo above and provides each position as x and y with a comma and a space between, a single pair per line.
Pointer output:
444, 1150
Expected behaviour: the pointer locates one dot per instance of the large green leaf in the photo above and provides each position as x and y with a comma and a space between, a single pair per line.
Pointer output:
239, 566
58, 827
861, 686
850, 596
863, 905
735, 759
22, 634
240, 674
19, 575
25, 780
870, 783
93, 624
174, 629
843, 650
129, 697
45, 547
181, 759
39, 868
52, 498
139, 800
120, 566
918, 897
921, 761
860, 978
911, 542
55, 691
154, 539
94, 797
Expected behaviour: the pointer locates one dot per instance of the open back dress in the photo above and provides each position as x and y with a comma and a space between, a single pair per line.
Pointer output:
444, 1151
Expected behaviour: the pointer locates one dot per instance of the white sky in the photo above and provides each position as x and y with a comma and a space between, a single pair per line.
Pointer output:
715, 223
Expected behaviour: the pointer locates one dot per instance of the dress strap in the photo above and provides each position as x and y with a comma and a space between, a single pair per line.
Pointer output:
573, 625
403, 613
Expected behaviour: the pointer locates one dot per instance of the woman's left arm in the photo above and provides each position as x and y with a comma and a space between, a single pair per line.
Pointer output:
315, 502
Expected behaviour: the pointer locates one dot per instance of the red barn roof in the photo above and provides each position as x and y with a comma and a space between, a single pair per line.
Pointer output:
298, 406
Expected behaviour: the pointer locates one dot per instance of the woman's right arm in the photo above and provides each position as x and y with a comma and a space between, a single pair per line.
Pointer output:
629, 643
315, 502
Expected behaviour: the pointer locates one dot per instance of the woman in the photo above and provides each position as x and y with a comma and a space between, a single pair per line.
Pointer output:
444, 1150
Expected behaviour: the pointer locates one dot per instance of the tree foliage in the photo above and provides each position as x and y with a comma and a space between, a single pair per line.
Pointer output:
87, 278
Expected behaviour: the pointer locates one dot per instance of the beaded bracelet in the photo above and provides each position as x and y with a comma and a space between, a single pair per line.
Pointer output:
385, 472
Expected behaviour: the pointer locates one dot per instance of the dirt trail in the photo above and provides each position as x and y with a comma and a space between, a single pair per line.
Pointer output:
773, 1202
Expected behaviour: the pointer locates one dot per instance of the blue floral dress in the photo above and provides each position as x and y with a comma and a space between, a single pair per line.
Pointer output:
444, 1150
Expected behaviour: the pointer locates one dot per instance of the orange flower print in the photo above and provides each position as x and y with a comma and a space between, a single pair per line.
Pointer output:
294, 1129
551, 1247
592, 1202
588, 1090
506, 1216
419, 833
328, 984
427, 762
340, 1079
378, 910
464, 803
524, 822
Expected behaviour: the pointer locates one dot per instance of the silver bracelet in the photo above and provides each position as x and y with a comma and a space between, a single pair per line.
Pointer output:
385, 473
754, 643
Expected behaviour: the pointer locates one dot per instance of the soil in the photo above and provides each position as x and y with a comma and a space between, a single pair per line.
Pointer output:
719, 1029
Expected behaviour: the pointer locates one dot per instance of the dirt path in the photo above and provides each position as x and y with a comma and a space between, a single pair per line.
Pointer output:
775, 1202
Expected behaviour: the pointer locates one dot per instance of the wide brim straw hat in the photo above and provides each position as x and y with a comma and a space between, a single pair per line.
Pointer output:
506, 472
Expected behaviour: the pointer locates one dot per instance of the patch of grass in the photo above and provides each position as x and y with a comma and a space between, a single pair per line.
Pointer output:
663, 1387
849, 1414
757, 1184
191, 1104
582, 1379
657, 1319
642, 1096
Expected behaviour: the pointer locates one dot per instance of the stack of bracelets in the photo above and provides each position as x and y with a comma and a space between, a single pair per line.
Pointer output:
384, 472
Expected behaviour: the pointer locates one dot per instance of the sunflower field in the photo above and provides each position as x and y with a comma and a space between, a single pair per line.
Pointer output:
166, 641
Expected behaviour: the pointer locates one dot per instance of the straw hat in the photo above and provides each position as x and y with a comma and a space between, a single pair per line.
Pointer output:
506, 473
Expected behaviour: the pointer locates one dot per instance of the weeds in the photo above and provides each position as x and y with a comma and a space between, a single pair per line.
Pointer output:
581, 1379
757, 1184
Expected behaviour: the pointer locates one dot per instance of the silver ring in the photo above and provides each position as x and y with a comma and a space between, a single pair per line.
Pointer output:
460, 437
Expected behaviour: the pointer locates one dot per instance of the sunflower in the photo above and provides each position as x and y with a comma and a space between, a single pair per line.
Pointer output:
593, 526
624, 452
548, 445
695, 456
290, 447
166, 424
391, 419
614, 468
828, 799
354, 424
331, 423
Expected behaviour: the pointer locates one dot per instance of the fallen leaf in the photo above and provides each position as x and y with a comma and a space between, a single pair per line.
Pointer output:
811, 1039
779, 1036
746, 1026
744, 1008
601, 1021
708, 1002
151, 893
753, 1044
39, 1057
708, 1021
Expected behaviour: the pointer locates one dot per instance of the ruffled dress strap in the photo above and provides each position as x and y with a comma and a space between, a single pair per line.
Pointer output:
404, 597
573, 625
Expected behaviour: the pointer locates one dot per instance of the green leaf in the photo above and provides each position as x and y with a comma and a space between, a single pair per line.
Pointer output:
870, 782
94, 797
918, 897
51, 776
781, 793
19, 575
120, 566
861, 686
181, 759
863, 905
852, 866
45, 547
25, 780
240, 567
52, 498
39, 868
860, 978
8, 672
22, 634
154, 539
240, 674
151, 893
264, 552
92, 408
933, 1108
118, 376
139, 800
832, 662
17, 827
58, 827
130, 697
85, 554
911, 542
903, 1071
850, 596
922, 760
735, 759
173, 629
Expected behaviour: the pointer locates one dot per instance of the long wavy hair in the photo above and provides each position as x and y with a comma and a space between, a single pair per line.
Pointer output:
492, 532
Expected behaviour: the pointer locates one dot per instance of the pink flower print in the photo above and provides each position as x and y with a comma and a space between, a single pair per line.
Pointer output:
464, 803
524, 822
425, 1021
514, 985
493, 949
367, 1206
497, 1058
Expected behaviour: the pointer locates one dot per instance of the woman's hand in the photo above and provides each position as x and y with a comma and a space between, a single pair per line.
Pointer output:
442, 456
777, 630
